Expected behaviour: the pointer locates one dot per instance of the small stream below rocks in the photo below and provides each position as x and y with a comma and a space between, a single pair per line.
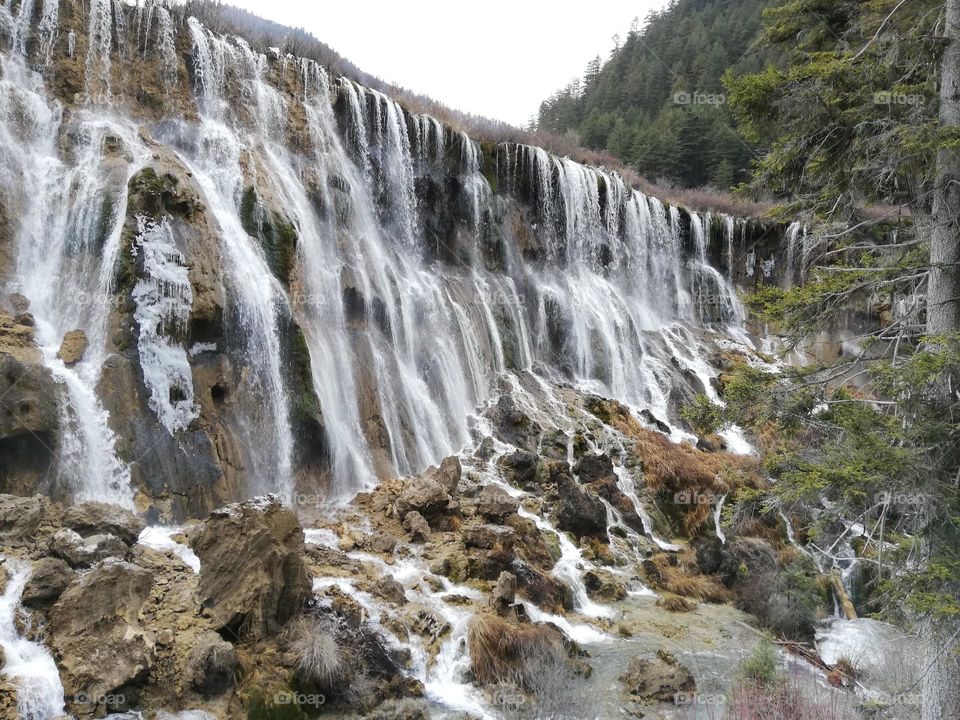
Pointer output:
29, 665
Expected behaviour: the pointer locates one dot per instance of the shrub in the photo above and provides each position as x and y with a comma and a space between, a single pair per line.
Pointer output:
318, 655
500, 651
760, 668
784, 700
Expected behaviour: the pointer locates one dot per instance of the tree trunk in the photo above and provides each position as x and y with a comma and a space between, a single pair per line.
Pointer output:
941, 681
943, 293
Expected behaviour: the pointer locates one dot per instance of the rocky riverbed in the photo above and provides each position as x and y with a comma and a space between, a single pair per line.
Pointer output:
553, 571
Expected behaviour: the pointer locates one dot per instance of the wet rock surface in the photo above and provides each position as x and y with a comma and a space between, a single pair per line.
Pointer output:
252, 575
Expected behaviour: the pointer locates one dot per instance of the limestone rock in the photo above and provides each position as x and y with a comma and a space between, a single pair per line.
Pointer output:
495, 503
754, 554
660, 679
603, 586
426, 495
28, 426
210, 665
505, 593
252, 573
448, 474
21, 519
580, 512
405, 709
520, 467
95, 518
50, 577
415, 524
95, 632
16, 337
592, 468
83, 552
18, 302
73, 347
512, 425
486, 537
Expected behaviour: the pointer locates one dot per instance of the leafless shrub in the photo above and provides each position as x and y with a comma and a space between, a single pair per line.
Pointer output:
318, 655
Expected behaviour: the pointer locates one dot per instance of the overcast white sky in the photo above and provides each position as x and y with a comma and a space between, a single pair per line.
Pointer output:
498, 58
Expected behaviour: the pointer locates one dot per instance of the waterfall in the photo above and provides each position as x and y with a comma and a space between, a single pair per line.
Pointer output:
257, 299
29, 665
67, 240
421, 267
729, 231
793, 233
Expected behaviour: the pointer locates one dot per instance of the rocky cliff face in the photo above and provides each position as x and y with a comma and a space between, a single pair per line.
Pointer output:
286, 282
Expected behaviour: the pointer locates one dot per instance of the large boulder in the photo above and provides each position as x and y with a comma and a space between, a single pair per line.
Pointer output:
426, 495
592, 468
96, 518
252, 573
660, 679
448, 474
28, 426
85, 551
580, 512
22, 519
95, 632
16, 337
211, 664
73, 347
747, 557
495, 503
520, 467
49, 578
512, 425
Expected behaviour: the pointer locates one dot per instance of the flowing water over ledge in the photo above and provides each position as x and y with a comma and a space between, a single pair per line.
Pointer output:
288, 283
374, 271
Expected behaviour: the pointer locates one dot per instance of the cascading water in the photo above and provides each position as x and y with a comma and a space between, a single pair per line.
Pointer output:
408, 313
29, 665
67, 240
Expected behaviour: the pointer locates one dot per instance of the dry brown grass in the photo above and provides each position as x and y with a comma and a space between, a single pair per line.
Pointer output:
676, 603
679, 574
498, 647
670, 468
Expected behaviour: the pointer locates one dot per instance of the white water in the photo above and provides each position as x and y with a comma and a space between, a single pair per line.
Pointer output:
161, 538
717, 516
67, 237
407, 328
29, 665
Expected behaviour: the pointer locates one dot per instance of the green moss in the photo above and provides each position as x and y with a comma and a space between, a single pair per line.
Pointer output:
274, 704
552, 541
146, 182
277, 235
306, 405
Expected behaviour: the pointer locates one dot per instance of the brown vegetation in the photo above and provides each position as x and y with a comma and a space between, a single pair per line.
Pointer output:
675, 603
679, 574
671, 469
499, 648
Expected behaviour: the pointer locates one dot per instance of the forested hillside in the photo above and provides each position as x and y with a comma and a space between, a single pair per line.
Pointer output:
657, 102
